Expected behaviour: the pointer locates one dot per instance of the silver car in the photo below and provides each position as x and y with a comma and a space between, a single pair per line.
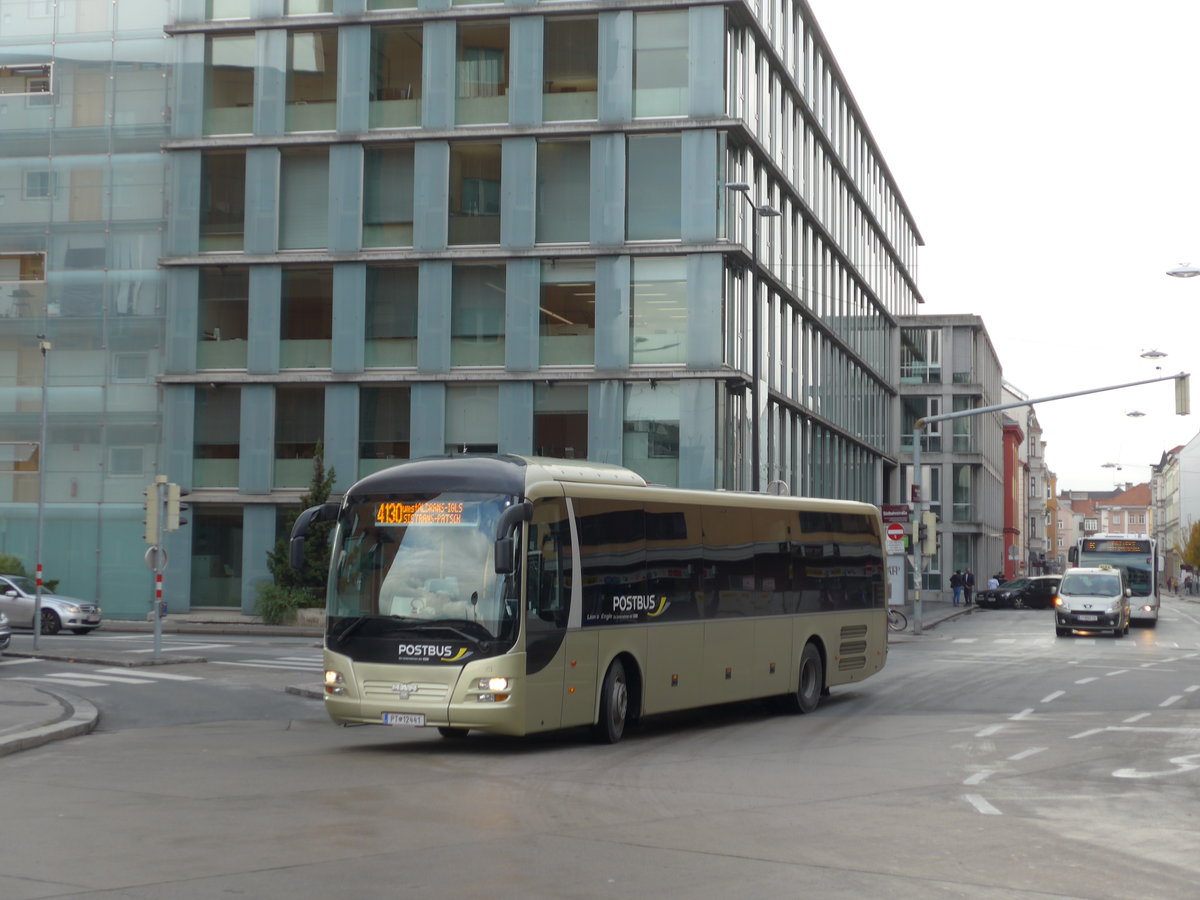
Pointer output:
17, 596
5, 634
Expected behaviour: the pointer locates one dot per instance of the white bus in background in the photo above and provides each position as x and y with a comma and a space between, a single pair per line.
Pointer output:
518, 594
1137, 556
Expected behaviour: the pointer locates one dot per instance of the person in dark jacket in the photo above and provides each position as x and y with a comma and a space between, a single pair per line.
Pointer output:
968, 587
956, 583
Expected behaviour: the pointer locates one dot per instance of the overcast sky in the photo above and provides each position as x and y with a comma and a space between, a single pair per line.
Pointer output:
1049, 151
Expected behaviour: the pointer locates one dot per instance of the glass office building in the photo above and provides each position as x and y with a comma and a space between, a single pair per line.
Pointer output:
398, 228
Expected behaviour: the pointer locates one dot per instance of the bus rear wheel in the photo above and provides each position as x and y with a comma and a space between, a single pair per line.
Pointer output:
811, 684
614, 705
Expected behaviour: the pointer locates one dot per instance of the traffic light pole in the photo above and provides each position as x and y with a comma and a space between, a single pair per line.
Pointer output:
157, 496
1182, 407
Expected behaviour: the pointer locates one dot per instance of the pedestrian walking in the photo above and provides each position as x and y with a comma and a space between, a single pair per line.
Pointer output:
968, 587
993, 583
956, 584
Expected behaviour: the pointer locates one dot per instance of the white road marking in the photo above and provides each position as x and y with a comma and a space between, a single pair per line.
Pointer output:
1192, 689
964, 640
1115, 672
1025, 754
18, 662
1023, 714
978, 777
73, 682
154, 673
1136, 718
1183, 764
1053, 696
1084, 734
989, 731
1085, 680
181, 648
1005, 641
314, 666
981, 805
1174, 698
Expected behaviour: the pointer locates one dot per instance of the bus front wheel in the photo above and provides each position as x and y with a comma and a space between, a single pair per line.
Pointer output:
614, 705
811, 683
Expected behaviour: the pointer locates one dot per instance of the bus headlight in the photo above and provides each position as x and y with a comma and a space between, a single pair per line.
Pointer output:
334, 682
494, 684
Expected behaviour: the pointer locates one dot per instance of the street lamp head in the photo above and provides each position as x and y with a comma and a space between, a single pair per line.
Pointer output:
1152, 354
767, 212
1184, 270
737, 186
1109, 466
1135, 414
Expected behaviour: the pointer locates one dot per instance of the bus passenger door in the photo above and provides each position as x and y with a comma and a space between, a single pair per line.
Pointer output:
547, 604
580, 647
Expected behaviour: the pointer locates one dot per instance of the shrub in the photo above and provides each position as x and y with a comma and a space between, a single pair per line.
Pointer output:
277, 605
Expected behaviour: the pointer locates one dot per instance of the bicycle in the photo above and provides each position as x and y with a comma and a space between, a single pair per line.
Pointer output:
897, 621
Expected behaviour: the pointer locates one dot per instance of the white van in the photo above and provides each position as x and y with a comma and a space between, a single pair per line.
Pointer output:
1094, 599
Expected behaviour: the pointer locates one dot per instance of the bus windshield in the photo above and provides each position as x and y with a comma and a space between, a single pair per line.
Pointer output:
421, 563
1139, 566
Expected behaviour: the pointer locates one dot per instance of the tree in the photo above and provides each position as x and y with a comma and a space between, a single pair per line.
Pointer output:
1191, 553
291, 588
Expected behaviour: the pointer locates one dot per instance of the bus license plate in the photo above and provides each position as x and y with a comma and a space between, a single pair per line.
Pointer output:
412, 720
1088, 618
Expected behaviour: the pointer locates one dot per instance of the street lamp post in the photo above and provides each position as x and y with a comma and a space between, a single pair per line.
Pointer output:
44, 346
757, 209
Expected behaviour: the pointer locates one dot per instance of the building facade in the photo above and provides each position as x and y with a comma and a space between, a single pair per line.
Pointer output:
395, 229
948, 364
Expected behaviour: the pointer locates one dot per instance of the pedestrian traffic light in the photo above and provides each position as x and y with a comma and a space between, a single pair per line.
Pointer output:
174, 508
151, 510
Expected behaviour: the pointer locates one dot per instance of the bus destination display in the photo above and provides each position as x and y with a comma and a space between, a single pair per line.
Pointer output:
434, 512
1111, 546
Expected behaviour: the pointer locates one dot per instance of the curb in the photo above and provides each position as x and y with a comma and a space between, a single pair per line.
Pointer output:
109, 660
79, 717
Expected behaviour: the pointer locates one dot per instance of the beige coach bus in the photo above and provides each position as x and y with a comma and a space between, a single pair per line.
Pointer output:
518, 594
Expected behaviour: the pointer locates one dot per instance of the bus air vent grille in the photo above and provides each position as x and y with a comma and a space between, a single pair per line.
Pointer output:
851, 663
851, 632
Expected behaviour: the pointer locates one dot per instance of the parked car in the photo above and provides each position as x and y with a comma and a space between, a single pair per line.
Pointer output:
5, 633
1092, 599
17, 599
1035, 592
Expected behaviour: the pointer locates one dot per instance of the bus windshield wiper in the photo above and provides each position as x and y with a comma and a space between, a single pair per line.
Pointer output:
453, 626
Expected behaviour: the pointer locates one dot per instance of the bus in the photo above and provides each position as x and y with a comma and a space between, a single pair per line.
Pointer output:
1137, 556
516, 595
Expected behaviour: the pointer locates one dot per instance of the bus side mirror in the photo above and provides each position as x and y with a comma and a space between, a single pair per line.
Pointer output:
509, 520
327, 512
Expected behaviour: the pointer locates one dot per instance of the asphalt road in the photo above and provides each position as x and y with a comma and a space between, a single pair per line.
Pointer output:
990, 759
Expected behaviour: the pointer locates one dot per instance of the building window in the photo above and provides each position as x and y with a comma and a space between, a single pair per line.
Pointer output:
218, 436
482, 73
474, 193
32, 80
563, 191
307, 7
22, 286
131, 367
569, 69
227, 9
652, 187
39, 184
477, 316
391, 323
920, 356
126, 461
472, 418
311, 81
388, 197
651, 440
660, 64
222, 201
304, 199
913, 408
306, 319
216, 556
962, 427
567, 313
299, 427
224, 320
229, 84
391, 4
396, 55
383, 427
964, 508
658, 311
560, 421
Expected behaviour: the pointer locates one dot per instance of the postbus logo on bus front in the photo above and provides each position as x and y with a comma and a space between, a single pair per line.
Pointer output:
417, 652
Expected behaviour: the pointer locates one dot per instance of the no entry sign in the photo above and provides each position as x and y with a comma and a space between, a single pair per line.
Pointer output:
895, 532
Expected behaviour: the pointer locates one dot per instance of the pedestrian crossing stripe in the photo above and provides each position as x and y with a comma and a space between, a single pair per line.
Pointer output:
314, 665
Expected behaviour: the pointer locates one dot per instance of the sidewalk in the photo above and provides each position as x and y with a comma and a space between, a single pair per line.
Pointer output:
31, 716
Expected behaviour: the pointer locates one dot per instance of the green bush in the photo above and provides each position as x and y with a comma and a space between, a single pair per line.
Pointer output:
277, 605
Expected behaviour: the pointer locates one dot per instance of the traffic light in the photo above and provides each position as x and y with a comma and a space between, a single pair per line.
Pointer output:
928, 534
174, 508
1183, 404
151, 509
